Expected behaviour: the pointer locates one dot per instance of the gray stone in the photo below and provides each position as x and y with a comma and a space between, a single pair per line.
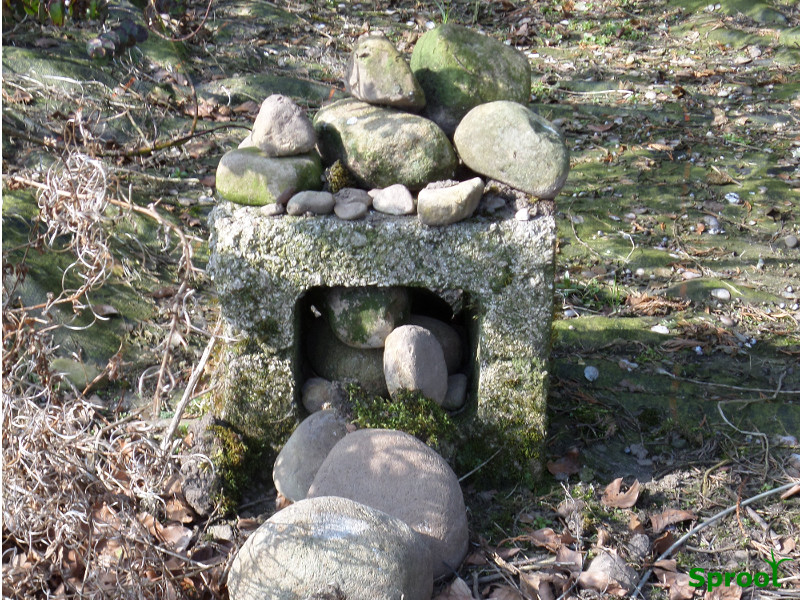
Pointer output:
383, 146
320, 394
350, 195
272, 210
362, 317
248, 176
459, 69
331, 548
445, 205
334, 360
790, 241
528, 153
351, 211
447, 336
317, 203
456, 392
638, 547
282, 128
413, 360
393, 200
396, 473
263, 267
378, 74
299, 459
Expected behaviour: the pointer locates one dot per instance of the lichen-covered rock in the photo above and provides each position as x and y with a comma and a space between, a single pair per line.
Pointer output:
316, 203
334, 360
331, 548
413, 360
528, 153
450, 203
378, 74
396, 473
459, 69
362, 317
281, 128
306, 448
248, 176
382, 146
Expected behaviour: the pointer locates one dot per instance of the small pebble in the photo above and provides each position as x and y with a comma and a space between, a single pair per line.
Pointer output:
522, 214
570, 313
726, 320
591, 373
721, 294
789, 289
272, 210
732, 198
660, 329
639, 272
790, 241
351, 211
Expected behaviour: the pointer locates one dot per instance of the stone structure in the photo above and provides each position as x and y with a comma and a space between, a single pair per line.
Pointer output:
499, 267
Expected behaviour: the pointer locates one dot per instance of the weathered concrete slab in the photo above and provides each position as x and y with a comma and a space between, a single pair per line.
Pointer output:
263, 266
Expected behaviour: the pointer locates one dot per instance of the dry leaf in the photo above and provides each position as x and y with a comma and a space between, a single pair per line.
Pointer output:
790, 492
604, 538
669, 517
571, 560
677, 583
246, 107
635, 524
458, 590
601, 582
546, 538
536, 585
600, 128
613, 498
178, 510
104, 310
209, 181
724, 592
566, 465
662, 543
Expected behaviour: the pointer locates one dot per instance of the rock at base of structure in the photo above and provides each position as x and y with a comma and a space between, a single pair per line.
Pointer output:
396, 473
413, 360
248, 176
528, 153
459, 68
383, 146
363, 317
331, 548
306, 449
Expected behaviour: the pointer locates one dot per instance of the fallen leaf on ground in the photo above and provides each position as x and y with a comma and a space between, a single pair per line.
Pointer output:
724, 592
608, 573
612, 496
661, 543
635, 524
566, 465
669, 517
546, 538
676, 583
457, 590
536, 585
571, 560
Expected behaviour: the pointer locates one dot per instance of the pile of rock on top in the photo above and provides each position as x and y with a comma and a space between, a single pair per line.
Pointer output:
397, 143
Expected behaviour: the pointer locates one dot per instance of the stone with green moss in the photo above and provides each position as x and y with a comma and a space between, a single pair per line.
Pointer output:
265, 269
383, 146
363, 317
459, 68
248, 176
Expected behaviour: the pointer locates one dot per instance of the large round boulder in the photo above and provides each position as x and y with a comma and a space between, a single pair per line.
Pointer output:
362, 317
331, 548
378, 74
248, 176
459, 68
383, 146
304, 452
334, 360
396, 473
528, 153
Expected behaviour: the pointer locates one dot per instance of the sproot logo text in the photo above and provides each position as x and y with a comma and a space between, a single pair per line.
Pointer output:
700, 578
